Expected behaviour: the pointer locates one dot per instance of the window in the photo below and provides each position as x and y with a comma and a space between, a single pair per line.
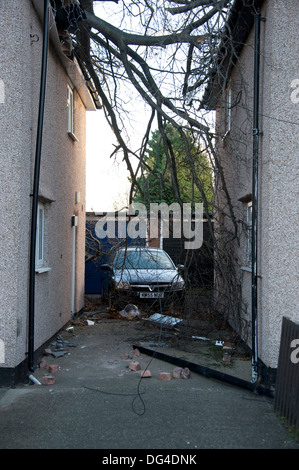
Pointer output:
249, 233
40, 235
70, 110
70, 113
228, 109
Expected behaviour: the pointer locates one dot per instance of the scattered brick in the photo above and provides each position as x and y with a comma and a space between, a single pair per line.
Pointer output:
43, 364
47, 352
125, 356
227, 358
164, 376
185, 373
176, 374
48, 380
145, 373
137, 352
134, 365
228, 345
53, 368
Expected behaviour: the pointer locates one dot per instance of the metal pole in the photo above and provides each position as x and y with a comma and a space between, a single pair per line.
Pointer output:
36, 187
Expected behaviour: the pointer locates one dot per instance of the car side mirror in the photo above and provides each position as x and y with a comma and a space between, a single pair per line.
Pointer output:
180, 267
106, 267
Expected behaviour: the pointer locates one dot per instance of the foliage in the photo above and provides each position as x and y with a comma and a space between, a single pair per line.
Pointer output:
156, 181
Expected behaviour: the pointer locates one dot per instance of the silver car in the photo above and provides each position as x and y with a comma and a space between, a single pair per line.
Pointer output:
142, 273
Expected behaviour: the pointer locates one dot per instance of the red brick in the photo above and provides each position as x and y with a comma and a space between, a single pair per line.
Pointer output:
227, 357
185, 373
53, 368
125, 356
134, 365
145, 373
43, 364
164, 376
177, 373
48, 380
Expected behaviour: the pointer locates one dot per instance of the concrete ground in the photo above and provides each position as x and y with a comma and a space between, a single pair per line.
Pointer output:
98, 402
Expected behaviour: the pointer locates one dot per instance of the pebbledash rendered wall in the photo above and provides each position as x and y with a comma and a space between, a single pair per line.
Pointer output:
278, 236
62, 184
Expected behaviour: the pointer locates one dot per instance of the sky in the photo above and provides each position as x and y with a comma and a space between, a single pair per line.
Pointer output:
106, 179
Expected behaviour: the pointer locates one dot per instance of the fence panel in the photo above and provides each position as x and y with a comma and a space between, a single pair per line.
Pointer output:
287, 381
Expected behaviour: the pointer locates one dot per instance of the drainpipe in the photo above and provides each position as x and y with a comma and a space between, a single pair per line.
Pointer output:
36, 187
73, 288
254, 258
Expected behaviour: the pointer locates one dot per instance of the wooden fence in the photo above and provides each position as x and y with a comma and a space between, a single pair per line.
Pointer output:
287, 381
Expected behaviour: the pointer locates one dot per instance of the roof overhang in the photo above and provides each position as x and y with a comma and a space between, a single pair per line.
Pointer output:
235, 34
70, 65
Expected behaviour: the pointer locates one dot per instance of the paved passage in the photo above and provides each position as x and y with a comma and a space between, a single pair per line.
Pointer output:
97, 402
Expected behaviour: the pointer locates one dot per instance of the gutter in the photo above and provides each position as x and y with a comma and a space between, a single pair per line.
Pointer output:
208, 372
36, 186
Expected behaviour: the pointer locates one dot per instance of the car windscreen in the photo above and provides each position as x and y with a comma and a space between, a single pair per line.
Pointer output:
142, 259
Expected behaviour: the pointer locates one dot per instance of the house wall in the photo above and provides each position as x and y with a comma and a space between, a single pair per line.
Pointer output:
278, 175
62, 175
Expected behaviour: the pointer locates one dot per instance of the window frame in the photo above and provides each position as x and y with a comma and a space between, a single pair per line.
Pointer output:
71, 113
70, 110
40, 237
249, 233
228, 109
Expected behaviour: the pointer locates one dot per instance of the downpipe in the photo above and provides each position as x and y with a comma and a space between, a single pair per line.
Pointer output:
254, 240
36, 187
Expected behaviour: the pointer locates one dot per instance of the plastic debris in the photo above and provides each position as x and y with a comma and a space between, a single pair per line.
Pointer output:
130, 311
201, 337
165, 320
34, 380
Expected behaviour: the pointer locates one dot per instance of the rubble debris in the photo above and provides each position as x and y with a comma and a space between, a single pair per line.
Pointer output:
176, 374
165, 376
200, 337
34, 380
130, 311
226, 357
89, 322
145, 373
181, 373
43, 364
228, 345
48, 380
126, 356
185, 373
137, 352
47, 352
57, 354
53, 368
164, 320
134, 365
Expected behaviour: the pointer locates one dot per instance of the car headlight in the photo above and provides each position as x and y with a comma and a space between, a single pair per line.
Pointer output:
178, 284
122, 285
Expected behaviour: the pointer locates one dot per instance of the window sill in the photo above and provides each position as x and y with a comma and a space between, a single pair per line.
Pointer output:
73, 137
246, 268
42, 270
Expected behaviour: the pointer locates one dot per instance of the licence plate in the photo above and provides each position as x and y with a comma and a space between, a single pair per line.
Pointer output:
151, 295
